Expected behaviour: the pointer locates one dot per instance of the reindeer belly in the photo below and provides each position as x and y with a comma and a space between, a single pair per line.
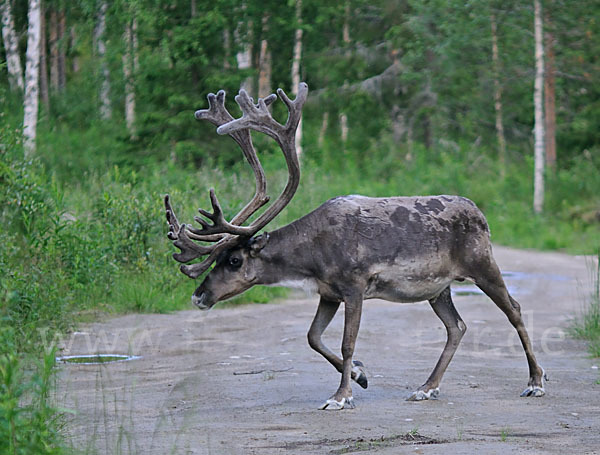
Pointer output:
406, 286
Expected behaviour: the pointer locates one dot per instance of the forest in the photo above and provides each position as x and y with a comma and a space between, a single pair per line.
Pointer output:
497, 101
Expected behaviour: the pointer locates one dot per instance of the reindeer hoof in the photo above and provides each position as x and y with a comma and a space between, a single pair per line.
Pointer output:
420, 395
536, 390
334, 405
360, 374
533, 391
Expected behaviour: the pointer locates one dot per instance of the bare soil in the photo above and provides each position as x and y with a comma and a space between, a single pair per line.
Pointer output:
243, 380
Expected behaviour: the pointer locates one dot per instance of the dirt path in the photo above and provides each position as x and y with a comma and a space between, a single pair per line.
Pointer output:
186, 395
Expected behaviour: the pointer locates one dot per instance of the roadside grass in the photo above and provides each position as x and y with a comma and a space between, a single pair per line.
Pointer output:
29, 422
587, 325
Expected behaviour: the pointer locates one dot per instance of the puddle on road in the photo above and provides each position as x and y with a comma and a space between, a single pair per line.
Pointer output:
468, 289
95, 359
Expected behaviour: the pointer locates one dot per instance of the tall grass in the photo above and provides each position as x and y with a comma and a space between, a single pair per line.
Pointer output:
29, 424
587, 326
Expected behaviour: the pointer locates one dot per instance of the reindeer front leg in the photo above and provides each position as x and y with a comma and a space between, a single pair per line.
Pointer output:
352, 312
325, 313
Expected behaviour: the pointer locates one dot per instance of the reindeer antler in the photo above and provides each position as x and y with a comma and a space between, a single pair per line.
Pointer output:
214, 226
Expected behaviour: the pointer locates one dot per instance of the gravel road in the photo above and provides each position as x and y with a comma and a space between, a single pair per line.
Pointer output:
243, 380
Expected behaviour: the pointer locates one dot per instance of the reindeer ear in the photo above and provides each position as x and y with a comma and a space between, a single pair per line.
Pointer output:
257, 243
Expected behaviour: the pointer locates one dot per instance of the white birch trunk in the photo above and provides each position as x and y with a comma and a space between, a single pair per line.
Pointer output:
244, 56
344, 129
129, 70
296, 70
11, 46
264, 61
32, 74
105, 109
538, 179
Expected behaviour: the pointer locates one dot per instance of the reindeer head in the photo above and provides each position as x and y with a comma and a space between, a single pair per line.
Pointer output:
229, 243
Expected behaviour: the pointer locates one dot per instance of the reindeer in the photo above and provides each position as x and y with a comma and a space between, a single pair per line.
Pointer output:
351, 248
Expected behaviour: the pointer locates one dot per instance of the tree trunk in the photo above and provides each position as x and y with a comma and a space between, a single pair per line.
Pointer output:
399, 127
538, 179
32, 72
323, 130
264, 61
427, 131
226, 49
346, 40
129, 70
550, 96
62, 54
498, 99
44, 93
105, 108
11, 47
244, 55
296, 69
74, 56
53, 29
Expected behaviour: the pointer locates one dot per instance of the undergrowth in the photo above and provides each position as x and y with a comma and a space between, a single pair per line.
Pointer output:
587, 325
29, 423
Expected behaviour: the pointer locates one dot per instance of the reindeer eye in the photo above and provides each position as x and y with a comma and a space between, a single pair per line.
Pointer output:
235, 261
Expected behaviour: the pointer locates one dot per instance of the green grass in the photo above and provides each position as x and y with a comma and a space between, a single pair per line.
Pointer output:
29, 424
587, 325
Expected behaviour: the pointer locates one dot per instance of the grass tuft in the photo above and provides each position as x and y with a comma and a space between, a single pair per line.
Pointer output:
587, 326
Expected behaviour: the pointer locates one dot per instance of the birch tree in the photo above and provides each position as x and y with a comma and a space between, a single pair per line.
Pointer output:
538, 179
32, 73
264, 62
99, 30
244, 55
11, 47
296, 69
130, 64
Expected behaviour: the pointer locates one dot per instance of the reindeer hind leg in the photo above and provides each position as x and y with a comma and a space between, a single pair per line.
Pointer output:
489, 280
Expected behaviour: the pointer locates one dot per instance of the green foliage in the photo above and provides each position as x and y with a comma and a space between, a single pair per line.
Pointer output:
28, 422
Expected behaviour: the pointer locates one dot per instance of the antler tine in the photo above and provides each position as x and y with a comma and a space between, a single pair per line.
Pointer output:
195, 270
258, 117
182, 239
179, 235
220, 224
218, 115
294, 107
